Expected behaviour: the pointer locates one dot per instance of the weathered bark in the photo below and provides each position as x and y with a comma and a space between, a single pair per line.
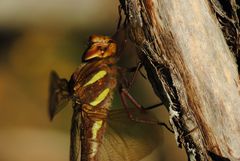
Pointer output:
191, 69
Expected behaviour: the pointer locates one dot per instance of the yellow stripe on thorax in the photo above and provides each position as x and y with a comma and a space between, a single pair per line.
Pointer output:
100, 97
96, 77
95, 128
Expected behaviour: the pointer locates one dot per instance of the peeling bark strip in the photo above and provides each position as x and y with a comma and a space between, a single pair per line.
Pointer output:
226, 14
192, 70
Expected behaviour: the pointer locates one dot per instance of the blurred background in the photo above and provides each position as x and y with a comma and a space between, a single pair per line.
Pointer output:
35, 38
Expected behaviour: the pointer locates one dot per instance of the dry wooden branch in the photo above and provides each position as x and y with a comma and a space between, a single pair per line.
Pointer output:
192, 70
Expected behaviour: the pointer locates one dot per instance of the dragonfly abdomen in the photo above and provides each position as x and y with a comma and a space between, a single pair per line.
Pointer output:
92, 131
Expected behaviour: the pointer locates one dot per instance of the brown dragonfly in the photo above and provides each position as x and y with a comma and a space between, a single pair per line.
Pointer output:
91, 89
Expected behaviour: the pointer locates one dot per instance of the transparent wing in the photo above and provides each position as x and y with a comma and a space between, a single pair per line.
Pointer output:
58, 94
75, 137
126, 140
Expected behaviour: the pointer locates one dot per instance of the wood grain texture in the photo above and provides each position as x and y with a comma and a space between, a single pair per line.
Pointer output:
192, 70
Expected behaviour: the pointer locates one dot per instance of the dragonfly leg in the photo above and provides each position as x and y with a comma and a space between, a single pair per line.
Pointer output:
125, 93
120, 17
128, 83
125, 86
136, 69
140, 120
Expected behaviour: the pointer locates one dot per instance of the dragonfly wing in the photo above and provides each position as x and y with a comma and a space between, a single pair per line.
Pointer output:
75, 137
126, 140
58, 94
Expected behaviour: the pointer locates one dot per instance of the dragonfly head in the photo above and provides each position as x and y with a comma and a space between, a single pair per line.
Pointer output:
100, 47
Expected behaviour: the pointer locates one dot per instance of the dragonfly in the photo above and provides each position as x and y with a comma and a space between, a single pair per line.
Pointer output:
91, 89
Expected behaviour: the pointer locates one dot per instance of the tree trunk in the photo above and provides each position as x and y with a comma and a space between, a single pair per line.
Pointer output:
191, 64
